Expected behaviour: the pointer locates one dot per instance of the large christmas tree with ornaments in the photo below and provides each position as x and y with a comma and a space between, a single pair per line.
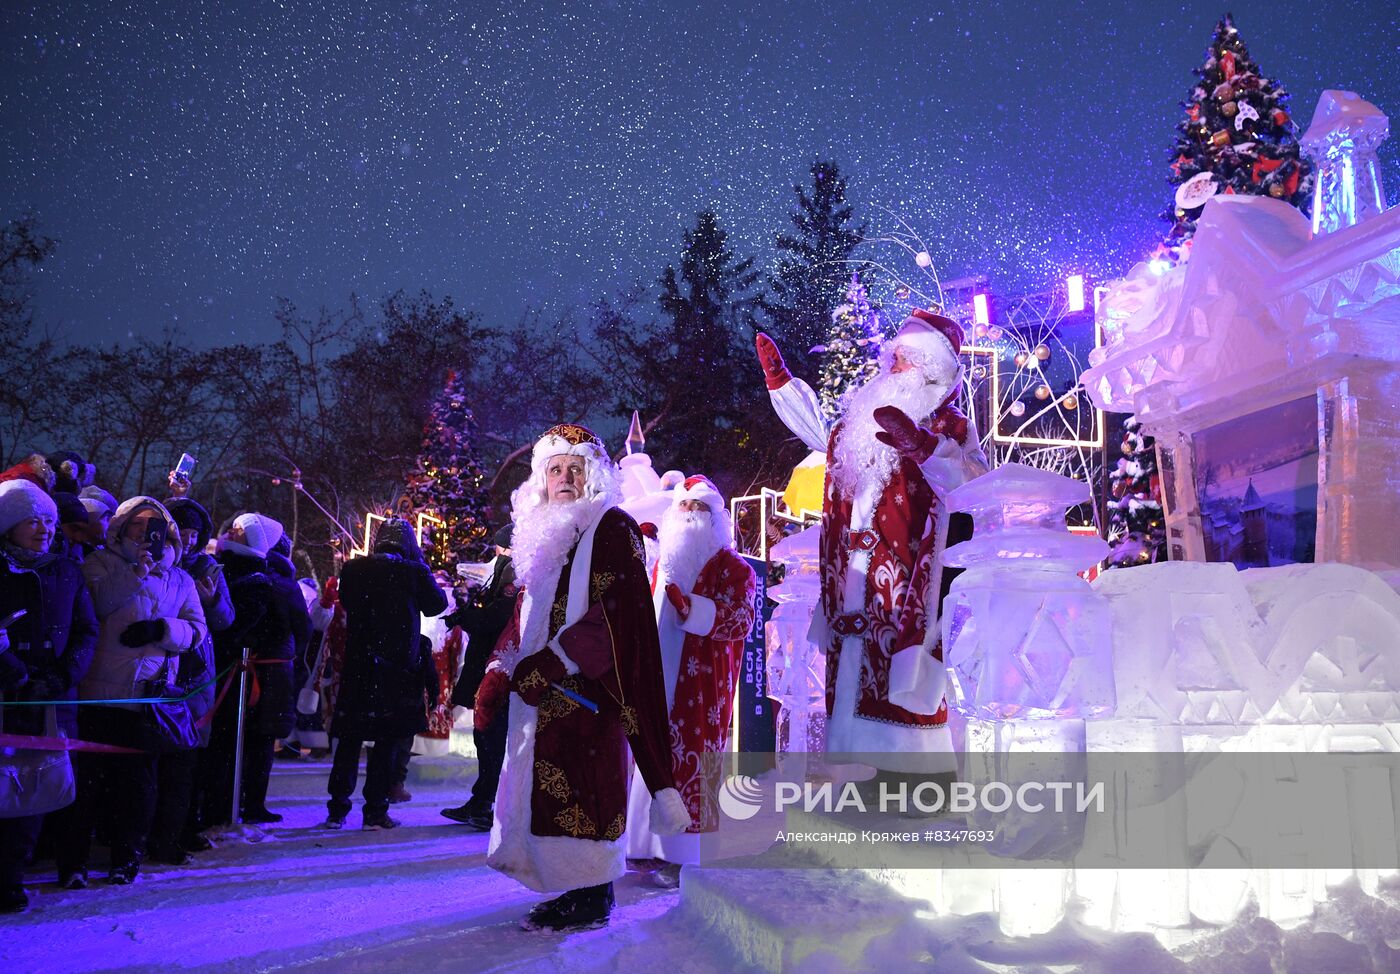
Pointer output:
1237, 137
447, 482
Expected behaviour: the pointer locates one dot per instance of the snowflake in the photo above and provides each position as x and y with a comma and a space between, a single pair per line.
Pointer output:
692, 666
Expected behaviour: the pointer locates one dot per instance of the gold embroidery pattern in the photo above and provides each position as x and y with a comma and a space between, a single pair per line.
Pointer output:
638, 548
558, 614
630, 727
552, 707
553, 780
615, 830
532, 682
575, 822
598, 584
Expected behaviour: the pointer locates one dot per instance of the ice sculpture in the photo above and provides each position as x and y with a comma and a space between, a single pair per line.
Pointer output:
1341, 142
644, 495
1263, 315
796, 676
1023, 635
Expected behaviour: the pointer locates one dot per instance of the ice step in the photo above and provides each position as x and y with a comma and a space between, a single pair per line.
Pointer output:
793, 919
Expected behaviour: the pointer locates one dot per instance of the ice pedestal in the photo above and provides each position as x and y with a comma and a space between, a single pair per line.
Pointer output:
796, 669
1341, 142
1024, 636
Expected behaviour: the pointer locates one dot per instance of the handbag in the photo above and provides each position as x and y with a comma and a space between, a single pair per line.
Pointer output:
35, 782
167, 726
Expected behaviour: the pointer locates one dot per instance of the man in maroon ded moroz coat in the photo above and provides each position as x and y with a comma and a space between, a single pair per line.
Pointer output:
583, 662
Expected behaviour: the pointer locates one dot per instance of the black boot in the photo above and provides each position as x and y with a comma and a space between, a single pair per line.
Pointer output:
13, 899
579, 909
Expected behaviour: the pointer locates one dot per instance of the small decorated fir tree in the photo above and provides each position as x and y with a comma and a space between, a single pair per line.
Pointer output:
850, 356
447, 482
1237, 137
1136, 527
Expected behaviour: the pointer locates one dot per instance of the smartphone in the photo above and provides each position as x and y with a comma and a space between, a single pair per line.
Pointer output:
185, 468
156, 530
13, 617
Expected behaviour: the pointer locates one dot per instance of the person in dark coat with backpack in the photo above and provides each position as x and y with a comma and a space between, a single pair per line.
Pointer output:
388, 680
43, 654
175, 831
262, 623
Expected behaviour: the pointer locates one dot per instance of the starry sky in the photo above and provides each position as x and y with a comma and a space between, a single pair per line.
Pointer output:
196, 160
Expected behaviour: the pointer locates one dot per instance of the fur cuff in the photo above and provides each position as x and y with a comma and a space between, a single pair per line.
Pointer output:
668, 813
701, 620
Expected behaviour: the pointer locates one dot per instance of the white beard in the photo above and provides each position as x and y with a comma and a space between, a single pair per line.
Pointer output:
544, 535
689, 539
859, 457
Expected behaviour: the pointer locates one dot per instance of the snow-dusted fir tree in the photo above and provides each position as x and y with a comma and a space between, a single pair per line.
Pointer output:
447, 481
1136, 528
852, 347
1237, 137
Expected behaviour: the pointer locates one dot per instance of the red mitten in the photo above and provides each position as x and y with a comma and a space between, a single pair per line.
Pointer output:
902, 433
648, 530
949, 421
679, 599
489, 697
775, 371
330, 591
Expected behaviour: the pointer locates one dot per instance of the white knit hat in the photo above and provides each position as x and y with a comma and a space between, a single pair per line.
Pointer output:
21, 500
259, 531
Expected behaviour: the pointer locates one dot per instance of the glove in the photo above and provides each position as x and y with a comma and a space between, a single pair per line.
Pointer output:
648, 530
330, 591
143, 633
490, 696
902, 433
775, 371
679, 599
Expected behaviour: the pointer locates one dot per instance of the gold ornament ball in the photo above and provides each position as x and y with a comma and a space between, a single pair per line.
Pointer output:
980, 372
994, 333
1229, 109
1018, 408
1276, 190
1042, 351
1042, 392
981, 331
1070, 402
1020, 359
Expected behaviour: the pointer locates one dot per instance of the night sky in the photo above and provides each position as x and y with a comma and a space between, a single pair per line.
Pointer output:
197, 159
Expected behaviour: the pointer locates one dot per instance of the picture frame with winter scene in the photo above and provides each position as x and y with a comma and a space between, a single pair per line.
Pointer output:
1256, 480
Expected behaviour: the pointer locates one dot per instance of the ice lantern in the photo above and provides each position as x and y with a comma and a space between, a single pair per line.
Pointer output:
1023, 635
1341, 142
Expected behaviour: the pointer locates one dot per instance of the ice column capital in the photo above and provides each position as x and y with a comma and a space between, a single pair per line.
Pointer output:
1341, 142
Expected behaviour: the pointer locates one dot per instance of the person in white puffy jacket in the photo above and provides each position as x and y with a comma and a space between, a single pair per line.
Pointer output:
149, 612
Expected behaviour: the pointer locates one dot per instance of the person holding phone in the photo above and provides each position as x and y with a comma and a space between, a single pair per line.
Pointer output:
150, 614
43, 653
175, 832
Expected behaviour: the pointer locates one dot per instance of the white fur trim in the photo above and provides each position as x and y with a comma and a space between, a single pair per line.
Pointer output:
702, 491
545, 864
668, 813
701, 620
570, 667
917, 680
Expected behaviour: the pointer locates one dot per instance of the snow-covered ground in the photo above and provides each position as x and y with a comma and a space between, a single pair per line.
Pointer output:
422, 899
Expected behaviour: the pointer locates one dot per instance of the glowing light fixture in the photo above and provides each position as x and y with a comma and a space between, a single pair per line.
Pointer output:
1074, 285
981, 315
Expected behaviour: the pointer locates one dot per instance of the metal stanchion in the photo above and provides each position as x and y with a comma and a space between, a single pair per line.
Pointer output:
236, 815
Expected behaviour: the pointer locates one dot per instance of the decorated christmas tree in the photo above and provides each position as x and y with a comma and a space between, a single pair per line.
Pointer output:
447, 482
1237, 137
1136, 529
852, 347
